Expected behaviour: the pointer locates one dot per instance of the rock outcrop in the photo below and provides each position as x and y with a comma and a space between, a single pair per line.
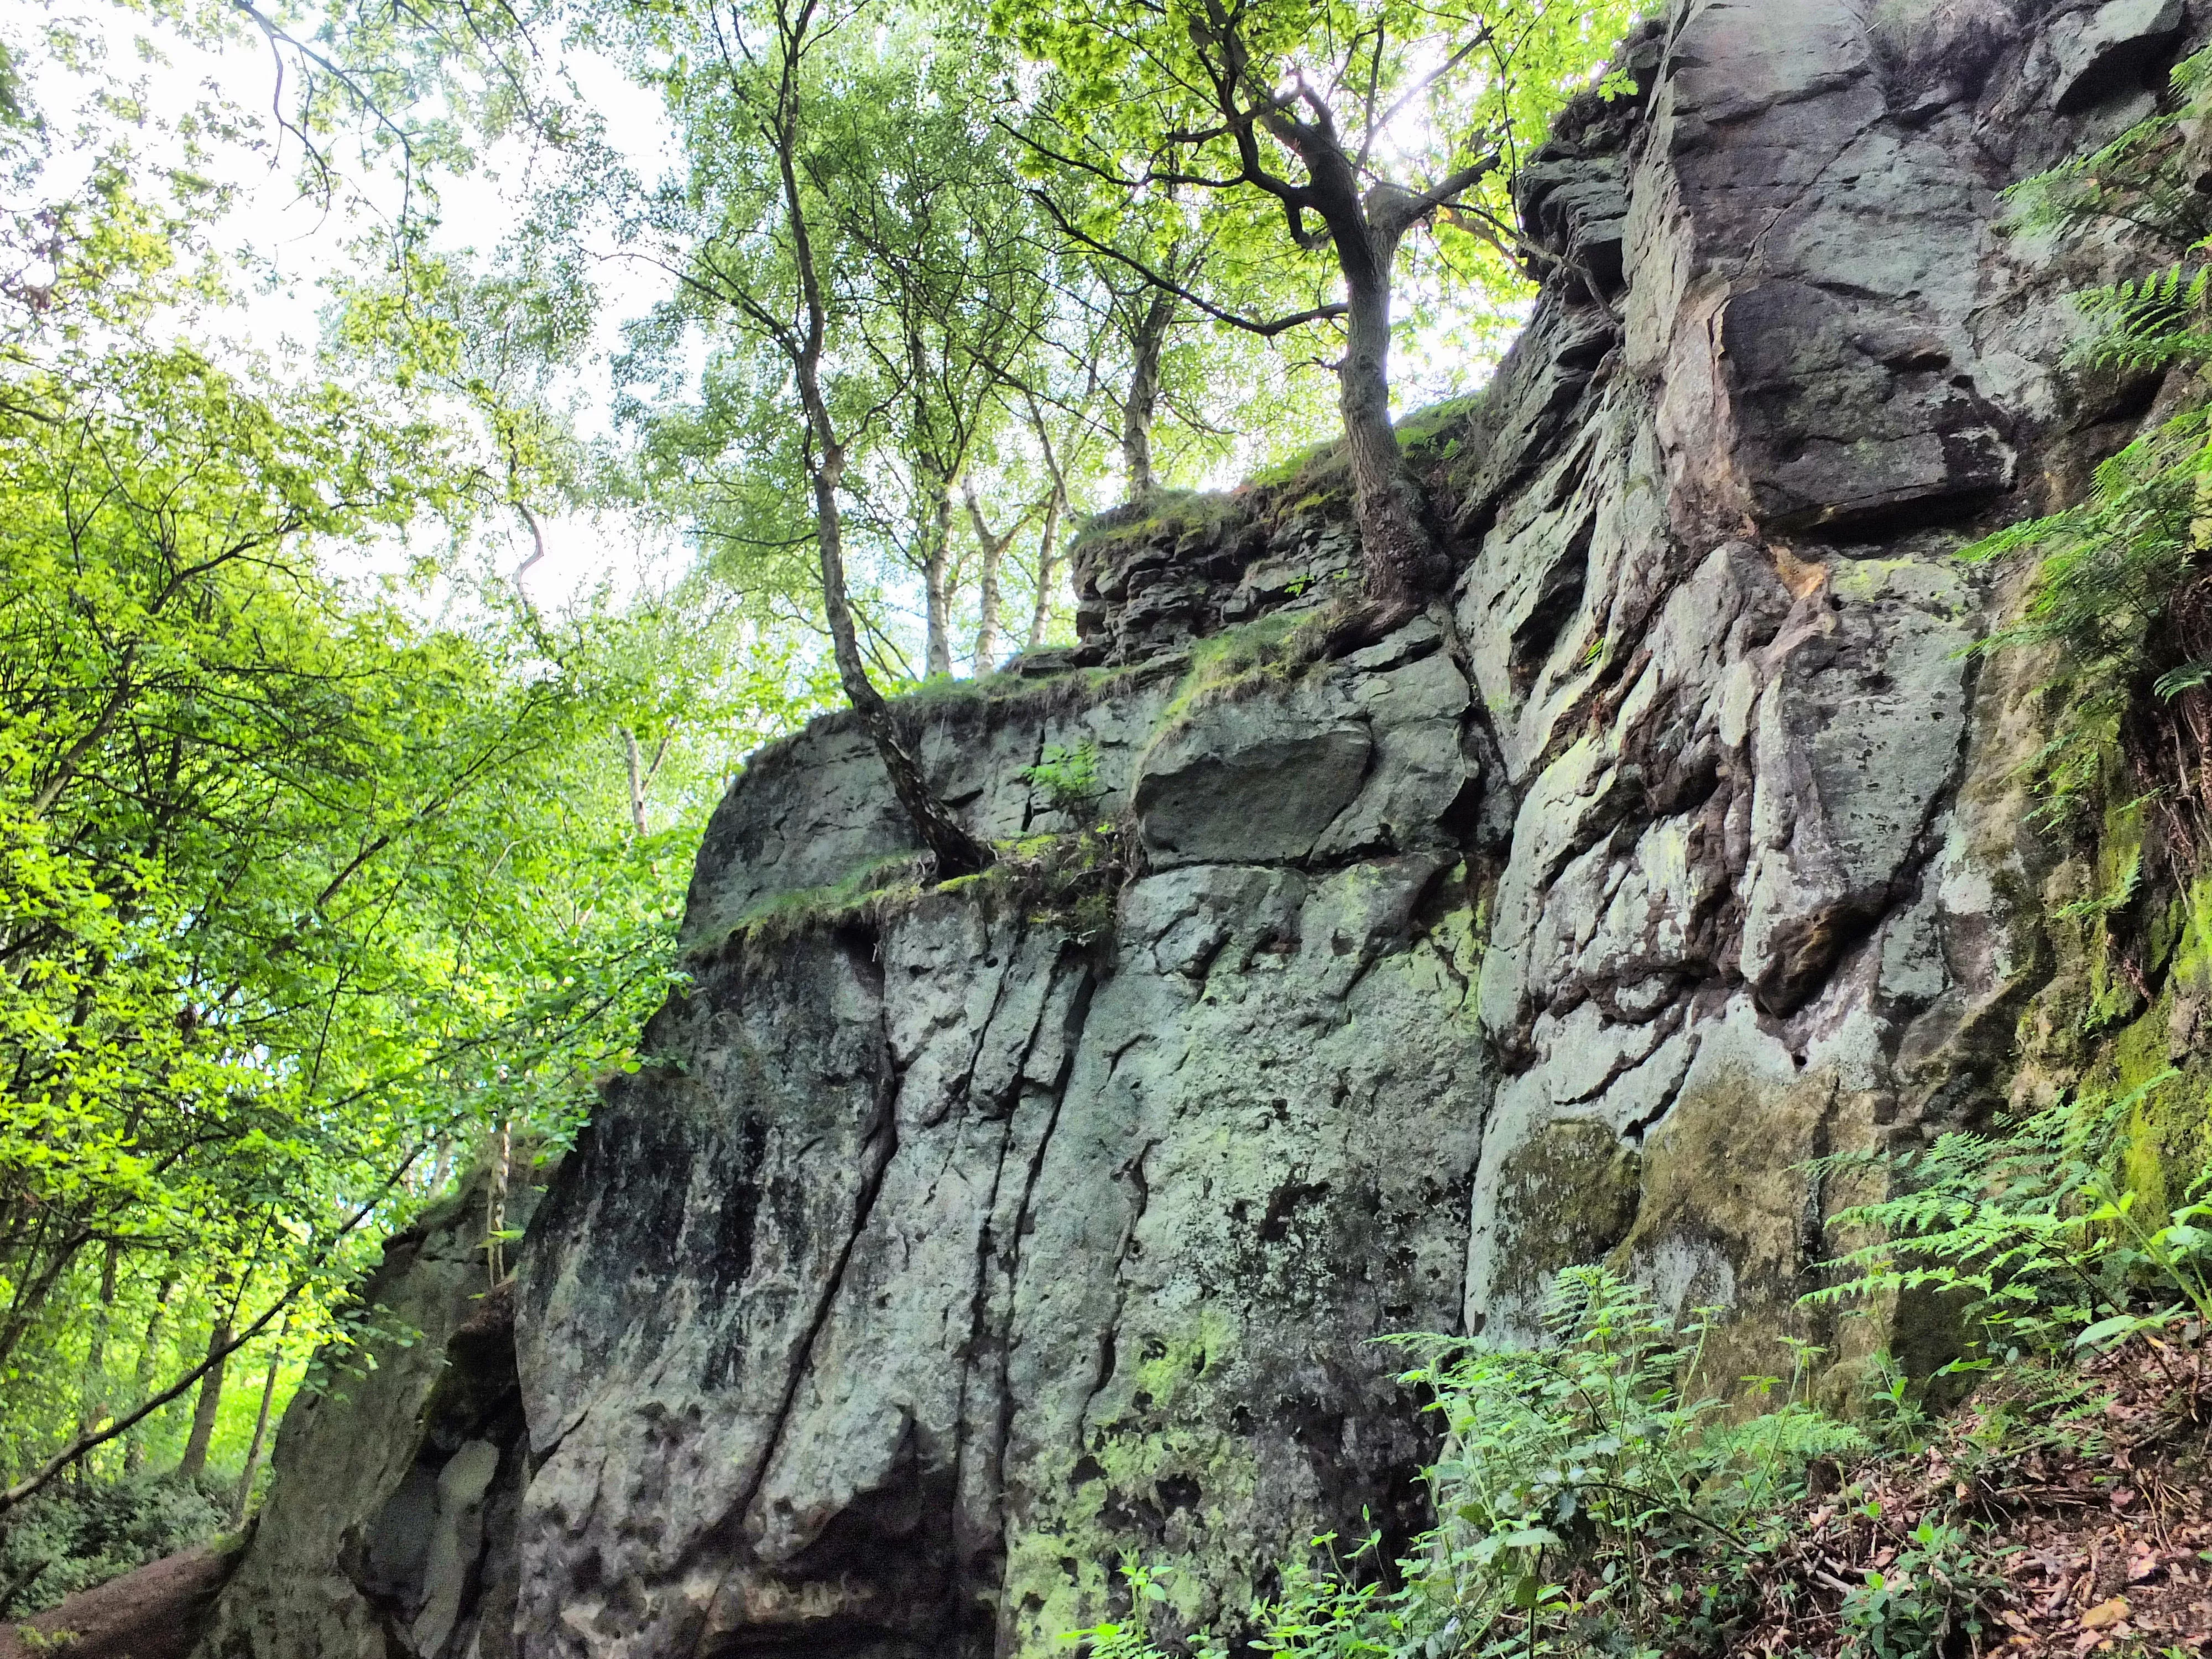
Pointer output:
956, 1243
391, 1526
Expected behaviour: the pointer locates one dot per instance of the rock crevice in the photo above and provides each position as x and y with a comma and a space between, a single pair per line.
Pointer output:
957, 1243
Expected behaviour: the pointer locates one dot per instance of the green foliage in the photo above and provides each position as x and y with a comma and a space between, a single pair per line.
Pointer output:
2029, 1236
1929, 1596
2137, 179
1595, 1497
306, 893
2120, 577
70, 1538
1068, 775
950, 365
1135, 135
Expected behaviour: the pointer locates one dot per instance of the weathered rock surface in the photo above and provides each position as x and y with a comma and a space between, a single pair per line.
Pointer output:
390, 1529
957, 1244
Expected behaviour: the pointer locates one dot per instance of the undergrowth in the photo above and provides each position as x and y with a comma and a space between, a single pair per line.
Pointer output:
70, 1538
1604, 1494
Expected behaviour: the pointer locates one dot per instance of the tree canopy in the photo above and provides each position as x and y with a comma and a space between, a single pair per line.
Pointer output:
337, 853
1287, 139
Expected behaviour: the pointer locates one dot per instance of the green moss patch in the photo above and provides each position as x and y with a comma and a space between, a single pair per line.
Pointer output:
1068, 880
1243, 661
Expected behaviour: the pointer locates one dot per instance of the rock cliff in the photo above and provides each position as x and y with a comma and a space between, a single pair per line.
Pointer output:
956, 1241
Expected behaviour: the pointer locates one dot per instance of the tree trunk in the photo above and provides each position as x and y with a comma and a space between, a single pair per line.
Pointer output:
957, 853
193, 1463
93, 1407
993, 558
1138, 408
1047, 571
987, 609
245, 1496
503, 1147
1401, 564
937, 578
635, 765
937, 605
150, 1360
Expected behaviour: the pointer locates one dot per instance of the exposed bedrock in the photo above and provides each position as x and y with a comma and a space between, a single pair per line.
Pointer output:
954, 1243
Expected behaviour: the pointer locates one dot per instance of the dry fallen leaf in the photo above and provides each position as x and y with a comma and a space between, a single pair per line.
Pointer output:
2105, 1613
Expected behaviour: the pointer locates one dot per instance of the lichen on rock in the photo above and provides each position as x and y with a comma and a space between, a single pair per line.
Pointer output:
960, 1240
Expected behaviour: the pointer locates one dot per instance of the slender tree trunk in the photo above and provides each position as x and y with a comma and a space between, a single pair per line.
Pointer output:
1047, 571
238, 1503
937, 576
937, 608
193, 1463
93, 1407
1148, 344
956, 851
149, 1361
636, 767
502, 1148
1401, 563
987, 609
993, 559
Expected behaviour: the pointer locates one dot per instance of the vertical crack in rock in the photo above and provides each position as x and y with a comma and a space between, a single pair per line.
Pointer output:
1072, 1030
1674, 849
1110, 1334
999, 1258
878, 1146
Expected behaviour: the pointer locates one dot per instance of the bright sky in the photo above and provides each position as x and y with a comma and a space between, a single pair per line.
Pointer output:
293, 239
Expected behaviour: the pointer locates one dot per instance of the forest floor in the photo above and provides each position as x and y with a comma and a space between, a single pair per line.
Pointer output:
2058, 1511
157, 1611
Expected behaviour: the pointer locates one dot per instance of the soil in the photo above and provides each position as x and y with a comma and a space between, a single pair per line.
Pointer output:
157, 1612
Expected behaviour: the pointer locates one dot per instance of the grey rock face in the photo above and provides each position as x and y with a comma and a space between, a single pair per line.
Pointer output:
963, 1243
391, 1530
2105, 48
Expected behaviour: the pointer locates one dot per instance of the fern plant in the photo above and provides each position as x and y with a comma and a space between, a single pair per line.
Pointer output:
2139, 179
2124, 582
2029, 1234
1066, 775
1568, 1472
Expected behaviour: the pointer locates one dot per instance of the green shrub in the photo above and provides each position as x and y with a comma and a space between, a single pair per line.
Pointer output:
70, 1538
1568, 1473
1933, 1593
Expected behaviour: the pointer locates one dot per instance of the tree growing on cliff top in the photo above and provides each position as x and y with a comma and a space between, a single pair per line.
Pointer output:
847, 248
1306, 134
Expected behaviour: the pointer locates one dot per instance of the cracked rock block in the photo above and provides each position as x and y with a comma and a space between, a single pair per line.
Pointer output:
1213, 792
963, 1257
2109, 49
1566, 1194
1846, 419
956, 1244
1857, 742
